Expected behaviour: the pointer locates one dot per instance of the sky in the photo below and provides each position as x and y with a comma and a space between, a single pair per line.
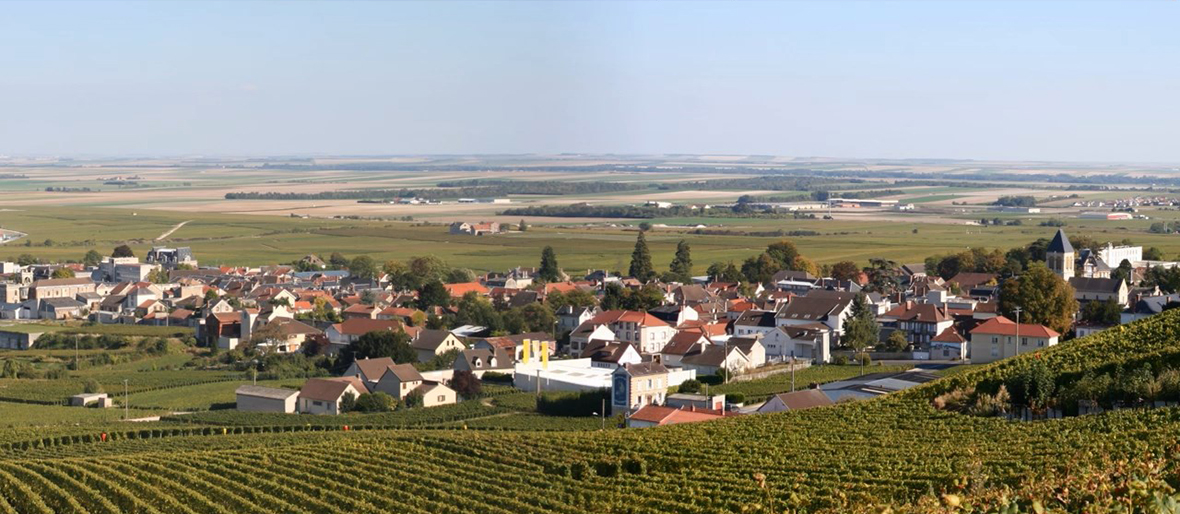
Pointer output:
1005, 80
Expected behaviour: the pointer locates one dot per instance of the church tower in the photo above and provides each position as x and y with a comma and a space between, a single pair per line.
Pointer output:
1059, 256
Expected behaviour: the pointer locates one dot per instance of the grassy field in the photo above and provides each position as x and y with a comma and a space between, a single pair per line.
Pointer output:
257, 240
200, 397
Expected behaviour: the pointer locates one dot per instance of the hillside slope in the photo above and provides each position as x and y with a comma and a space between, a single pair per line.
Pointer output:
896, 451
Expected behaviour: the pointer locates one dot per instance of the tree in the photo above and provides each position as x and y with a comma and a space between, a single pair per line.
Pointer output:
158, 276
860, 330
784, 253
760, 269
122, 251
63, 272
1124, 272
348, 402
474, 309
378, 344
534, 317
375, 402
690, 386
460, 276
91, 386
433, 294
681, 266
1102, 313
641, 267
548, 270
1043, 296
363, 267
523, 227
413, 399
897, 341
337, 260
645, 298
612, 297
574, 298
1153, 254
724, 272
644, 226
845, 270
883, 275
92, 258
26, 259
466, 384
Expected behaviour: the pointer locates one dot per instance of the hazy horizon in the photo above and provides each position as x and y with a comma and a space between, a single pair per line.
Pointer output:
1010, 81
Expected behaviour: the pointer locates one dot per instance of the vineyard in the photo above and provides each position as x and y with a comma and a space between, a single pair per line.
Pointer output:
896, 450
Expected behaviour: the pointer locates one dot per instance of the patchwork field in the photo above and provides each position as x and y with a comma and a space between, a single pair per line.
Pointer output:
225, 239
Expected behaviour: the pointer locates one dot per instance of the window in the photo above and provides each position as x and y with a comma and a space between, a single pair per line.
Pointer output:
317, 403
442, 398
1024, 341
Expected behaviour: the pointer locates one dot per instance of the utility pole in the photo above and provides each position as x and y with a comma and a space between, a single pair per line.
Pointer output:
1017, 310
75, 352
126, 402
604, 413
792, 371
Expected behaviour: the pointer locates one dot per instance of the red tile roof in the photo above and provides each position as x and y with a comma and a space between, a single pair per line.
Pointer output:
641, 318
661, 415
1000, 325
458, 290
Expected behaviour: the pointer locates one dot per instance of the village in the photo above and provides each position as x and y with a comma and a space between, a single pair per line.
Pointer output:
419, 334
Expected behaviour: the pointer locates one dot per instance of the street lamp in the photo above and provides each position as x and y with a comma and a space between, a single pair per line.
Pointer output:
603, 414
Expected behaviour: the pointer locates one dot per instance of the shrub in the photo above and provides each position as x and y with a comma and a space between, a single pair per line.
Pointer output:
690, 386
840, 360
92, 386
735, 397
375, 402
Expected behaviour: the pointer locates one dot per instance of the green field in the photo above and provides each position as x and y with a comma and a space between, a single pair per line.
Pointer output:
256, 240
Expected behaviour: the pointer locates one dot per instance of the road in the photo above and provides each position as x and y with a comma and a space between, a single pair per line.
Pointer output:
173, 229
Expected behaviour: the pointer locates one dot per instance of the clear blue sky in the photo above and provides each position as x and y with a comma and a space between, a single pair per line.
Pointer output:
1053, 80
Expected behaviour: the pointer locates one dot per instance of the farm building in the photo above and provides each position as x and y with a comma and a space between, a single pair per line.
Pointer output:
252, 398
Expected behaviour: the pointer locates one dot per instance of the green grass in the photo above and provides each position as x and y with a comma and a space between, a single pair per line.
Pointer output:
201, 397
255, 240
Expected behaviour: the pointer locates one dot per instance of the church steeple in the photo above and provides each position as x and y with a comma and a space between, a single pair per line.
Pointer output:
1059, 256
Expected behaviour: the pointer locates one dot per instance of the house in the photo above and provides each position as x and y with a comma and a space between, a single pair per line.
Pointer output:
60, 308
716, 357
832, 311
290, 335
684, 343
481, 360
475, 229
797, 400
949, 345
435, 394
967, 281
648, 333
754, 322
658, 415
171, 258
397, 380
369, 371
919, 321
587, 332
752, 347
1099, 290
1150, 306
996, 339
344, 333
223, 330
570, 317
808, 342
432, 343
683, 400
323, 395
460, 289
252, 398
636, 385
607, 354
60, 288
85, 399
